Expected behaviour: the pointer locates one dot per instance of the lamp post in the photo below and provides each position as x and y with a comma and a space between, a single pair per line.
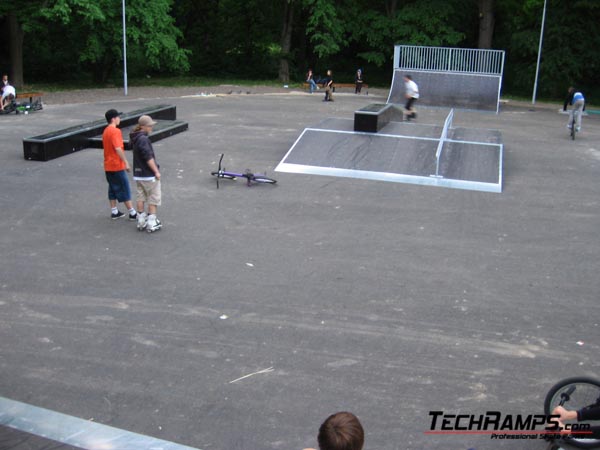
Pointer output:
124, 51
537, 67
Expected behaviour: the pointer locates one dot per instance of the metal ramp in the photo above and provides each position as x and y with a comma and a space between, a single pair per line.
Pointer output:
460, 158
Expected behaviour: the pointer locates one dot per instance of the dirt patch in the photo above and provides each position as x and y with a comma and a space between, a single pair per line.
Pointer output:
145, 92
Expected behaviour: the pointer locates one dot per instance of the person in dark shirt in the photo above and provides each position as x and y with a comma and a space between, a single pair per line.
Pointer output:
328, 85
358, 81
588, 413
146, 174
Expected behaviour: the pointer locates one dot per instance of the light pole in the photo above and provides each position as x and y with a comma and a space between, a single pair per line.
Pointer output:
124, 51
537, 67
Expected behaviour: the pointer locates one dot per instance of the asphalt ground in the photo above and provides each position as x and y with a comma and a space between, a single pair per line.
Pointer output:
388, 300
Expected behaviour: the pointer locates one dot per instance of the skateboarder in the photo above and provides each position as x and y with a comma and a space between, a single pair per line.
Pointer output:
146, 174
412, 94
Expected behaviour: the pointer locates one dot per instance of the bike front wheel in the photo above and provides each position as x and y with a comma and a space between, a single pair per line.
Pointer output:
576, 393
223, 175
263, 179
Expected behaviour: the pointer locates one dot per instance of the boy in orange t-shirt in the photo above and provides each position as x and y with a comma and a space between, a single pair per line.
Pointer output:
116, 166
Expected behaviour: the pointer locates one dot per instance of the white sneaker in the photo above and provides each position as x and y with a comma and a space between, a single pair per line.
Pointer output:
578, 129
142, 221
153, 224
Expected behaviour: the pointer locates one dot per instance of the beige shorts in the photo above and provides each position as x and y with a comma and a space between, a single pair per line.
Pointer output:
148, 192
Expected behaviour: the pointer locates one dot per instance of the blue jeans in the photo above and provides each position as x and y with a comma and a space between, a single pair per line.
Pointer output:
578, 110
312, 85
118, 186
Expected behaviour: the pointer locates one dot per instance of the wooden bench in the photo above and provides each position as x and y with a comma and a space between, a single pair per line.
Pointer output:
30, 95
340, 85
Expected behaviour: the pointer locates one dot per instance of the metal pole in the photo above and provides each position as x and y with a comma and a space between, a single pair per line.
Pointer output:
124, 51
537, 68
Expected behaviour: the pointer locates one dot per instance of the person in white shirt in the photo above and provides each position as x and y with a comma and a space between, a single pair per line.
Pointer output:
412, 94
8, 93
577, 100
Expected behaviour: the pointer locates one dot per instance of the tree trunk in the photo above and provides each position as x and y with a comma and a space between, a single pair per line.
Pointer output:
286, 40
486, 23
16, 50
391, 7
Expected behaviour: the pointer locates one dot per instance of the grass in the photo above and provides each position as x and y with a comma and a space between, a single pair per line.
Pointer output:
182, 81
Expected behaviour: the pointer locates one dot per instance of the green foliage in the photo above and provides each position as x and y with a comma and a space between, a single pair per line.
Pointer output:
82, 39
431, 23
324, 28
89, 35
571, 46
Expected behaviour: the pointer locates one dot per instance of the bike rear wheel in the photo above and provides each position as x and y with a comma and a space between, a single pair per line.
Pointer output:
585, 392
263, 179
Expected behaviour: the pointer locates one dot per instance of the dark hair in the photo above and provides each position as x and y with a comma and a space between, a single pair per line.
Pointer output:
408, 76
111, 114
341, 431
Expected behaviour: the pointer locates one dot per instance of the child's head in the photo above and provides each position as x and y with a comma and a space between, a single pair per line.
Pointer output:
341, 431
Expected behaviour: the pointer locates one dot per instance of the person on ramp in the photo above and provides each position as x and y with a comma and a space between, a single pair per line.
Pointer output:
411, 94
146, 174
116, 166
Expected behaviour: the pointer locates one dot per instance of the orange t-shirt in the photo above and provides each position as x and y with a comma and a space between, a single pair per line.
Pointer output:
112, 138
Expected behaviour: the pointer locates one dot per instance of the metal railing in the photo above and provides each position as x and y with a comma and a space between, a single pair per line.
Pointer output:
443, 138
447, 59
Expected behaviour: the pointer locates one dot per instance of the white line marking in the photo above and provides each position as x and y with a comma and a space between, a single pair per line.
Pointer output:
267, 370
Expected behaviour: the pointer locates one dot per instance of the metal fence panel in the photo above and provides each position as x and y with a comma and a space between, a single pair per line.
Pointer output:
466, 60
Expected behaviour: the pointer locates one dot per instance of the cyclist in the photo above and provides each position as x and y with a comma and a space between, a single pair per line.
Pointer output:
591, 412
576, 99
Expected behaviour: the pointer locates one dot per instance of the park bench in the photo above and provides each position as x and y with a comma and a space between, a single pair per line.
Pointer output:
341, 85
30, 95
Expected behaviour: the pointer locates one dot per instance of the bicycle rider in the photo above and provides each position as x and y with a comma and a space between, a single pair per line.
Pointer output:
576, 99
588, 413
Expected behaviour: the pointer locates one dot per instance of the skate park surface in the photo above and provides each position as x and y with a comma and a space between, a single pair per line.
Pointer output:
385, 299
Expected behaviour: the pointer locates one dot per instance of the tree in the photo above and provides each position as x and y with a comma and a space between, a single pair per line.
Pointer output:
94, 29
567, 58
18, 15
431, 23
286, 40
486, 23
151, 33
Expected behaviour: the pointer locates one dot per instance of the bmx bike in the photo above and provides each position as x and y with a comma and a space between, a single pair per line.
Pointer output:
575, 394
573, 129
22, 108
250, 177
